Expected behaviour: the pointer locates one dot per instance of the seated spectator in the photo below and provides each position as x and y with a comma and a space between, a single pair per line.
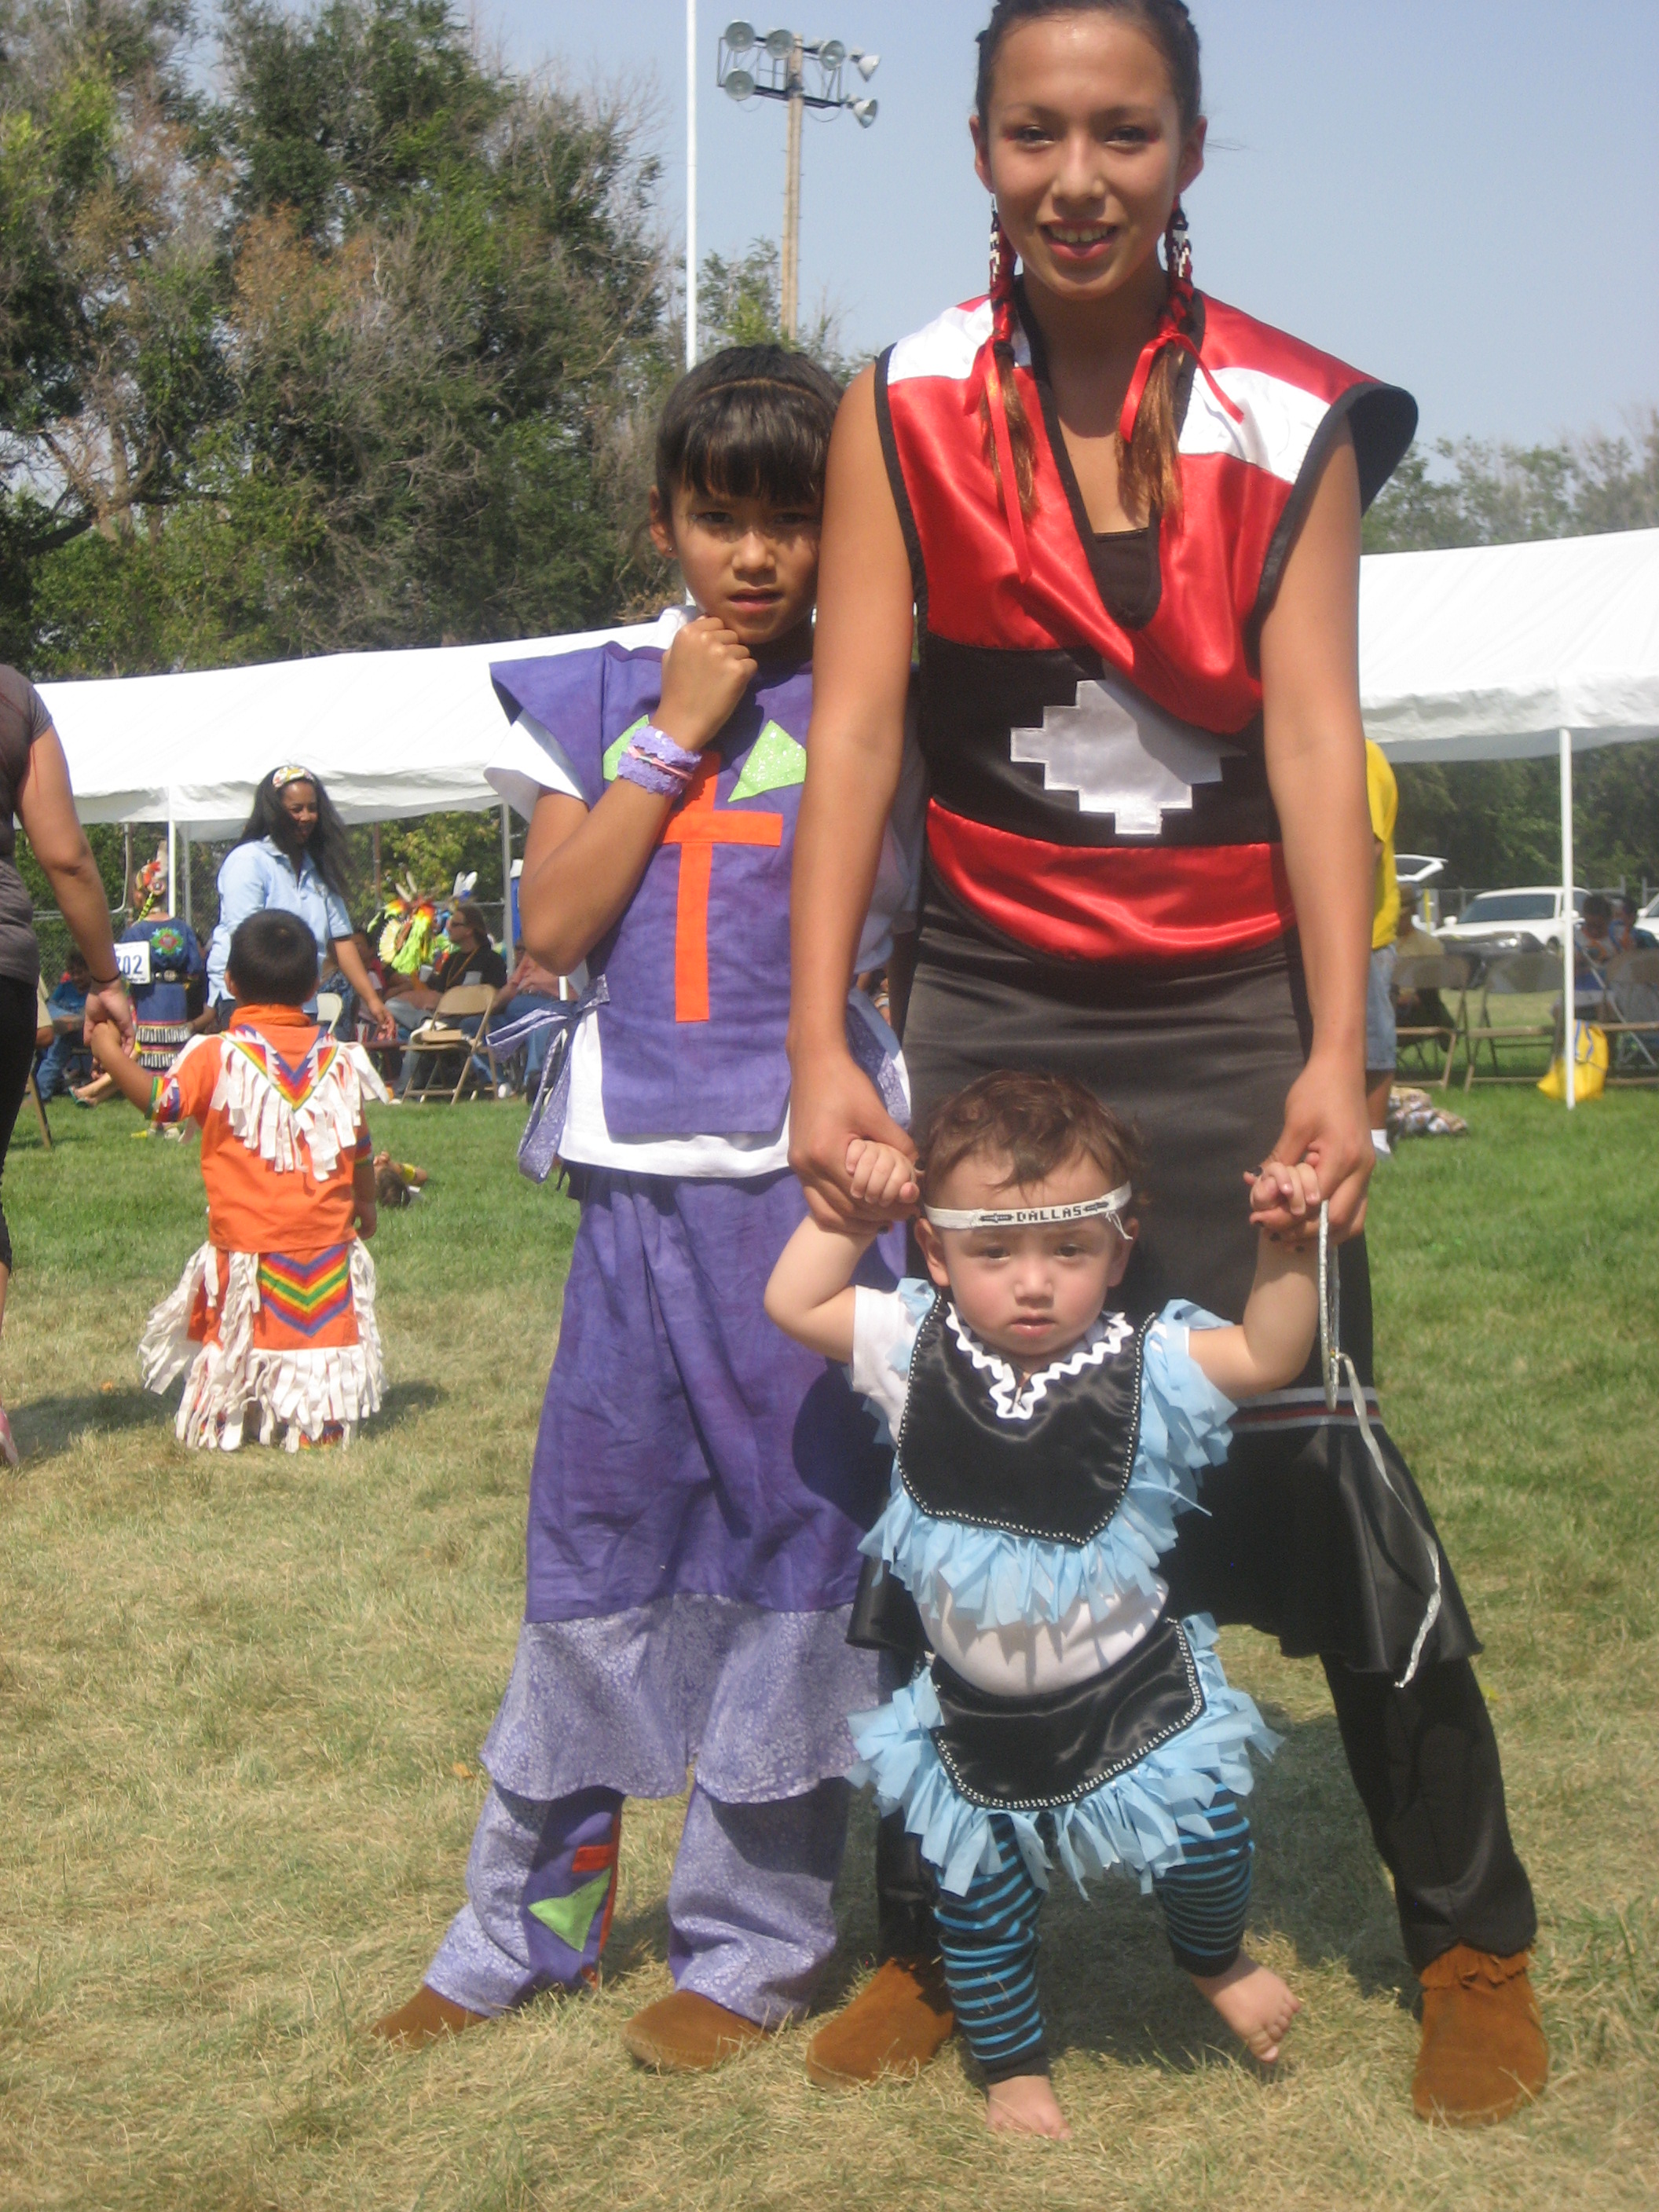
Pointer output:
66, 1060
529, 987
1595, 953
471, 959
1629, 934
1416, 1010
355, 1017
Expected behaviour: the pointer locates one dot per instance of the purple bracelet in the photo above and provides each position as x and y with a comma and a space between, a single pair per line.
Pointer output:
656, 763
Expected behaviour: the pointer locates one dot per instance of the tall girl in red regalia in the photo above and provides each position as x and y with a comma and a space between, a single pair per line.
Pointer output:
1128, 518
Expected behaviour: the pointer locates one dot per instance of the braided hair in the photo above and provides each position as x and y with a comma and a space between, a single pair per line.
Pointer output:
1148, 453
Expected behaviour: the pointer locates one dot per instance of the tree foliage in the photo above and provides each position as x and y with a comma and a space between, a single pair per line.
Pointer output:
348, 354
1499, 821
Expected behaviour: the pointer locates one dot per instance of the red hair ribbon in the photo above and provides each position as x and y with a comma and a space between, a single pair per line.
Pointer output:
1171, 331
1002, 334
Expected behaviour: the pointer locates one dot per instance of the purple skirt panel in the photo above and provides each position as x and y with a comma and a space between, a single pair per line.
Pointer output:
687, 1447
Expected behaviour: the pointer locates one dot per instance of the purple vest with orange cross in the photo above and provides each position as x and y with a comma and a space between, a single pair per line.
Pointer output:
697, 967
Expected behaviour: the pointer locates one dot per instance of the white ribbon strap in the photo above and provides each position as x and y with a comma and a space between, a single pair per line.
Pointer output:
1334, 1364
1115, 1204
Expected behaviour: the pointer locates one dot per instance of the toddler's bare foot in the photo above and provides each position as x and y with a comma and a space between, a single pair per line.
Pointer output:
1254, 2003
1025, 2105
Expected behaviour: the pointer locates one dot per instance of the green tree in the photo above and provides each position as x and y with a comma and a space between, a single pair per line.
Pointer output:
352, 355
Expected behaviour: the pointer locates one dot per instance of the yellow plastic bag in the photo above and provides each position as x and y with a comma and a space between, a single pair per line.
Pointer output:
1590, 1069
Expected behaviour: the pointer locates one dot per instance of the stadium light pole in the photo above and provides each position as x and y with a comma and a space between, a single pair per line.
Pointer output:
690, 184
774, 67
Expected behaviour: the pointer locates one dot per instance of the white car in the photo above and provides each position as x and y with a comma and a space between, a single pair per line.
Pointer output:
1530, 910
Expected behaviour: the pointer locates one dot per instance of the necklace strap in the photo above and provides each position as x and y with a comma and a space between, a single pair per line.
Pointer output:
1115, 1204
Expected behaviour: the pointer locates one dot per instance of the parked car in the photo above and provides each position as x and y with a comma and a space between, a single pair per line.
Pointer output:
1530, 911
1416, 869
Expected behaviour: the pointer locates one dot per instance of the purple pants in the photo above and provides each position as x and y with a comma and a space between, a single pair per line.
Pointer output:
750, 1907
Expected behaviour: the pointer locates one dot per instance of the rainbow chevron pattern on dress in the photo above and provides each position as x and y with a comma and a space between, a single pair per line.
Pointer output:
306, 1295
293, 1083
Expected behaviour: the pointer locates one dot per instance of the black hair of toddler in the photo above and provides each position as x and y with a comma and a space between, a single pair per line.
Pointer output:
273, 960
749, 422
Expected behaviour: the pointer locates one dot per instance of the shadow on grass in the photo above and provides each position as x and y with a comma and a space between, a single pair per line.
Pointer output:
44, 1425
50, 1425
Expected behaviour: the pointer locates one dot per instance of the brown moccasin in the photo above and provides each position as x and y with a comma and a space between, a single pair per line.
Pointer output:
690, 2035
899, 2019
424, 2019
1483, 2052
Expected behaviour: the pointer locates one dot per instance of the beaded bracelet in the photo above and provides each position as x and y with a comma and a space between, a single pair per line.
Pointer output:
657, 764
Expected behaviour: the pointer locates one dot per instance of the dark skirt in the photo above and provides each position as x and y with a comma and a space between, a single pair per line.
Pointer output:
1298, 1536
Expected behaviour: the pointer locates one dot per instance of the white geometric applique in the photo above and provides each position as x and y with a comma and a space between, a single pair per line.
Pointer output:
1121, 756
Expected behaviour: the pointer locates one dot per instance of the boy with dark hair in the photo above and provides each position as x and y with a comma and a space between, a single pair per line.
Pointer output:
274, 1316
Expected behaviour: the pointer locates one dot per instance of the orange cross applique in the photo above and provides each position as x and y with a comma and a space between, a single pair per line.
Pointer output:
696, 829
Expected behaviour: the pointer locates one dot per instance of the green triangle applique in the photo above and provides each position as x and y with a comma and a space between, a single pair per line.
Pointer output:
776, 761
571, 1917
618, 746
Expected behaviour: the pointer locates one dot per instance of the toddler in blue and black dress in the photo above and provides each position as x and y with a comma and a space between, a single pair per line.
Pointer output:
1043, 1445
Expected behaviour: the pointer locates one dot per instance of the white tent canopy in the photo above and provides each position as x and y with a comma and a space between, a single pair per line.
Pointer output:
1489, 654
389, 733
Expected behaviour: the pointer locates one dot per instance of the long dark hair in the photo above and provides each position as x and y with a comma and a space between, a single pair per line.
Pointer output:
1149, 466
329, 847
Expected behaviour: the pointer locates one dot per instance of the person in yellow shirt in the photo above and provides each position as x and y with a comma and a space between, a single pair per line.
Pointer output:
1380, 1048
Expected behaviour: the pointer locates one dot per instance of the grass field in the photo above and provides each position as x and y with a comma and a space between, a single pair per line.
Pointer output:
241, 1701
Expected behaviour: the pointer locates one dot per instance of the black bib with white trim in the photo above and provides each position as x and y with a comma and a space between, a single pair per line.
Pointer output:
1047, 1457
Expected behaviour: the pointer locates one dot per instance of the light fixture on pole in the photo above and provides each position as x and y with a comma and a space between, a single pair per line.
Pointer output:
773, 66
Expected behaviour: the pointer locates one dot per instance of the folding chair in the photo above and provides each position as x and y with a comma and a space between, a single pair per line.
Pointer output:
1445, 972
442, 1032
1519, 974
330, 1008
1632, 1023
40, 1111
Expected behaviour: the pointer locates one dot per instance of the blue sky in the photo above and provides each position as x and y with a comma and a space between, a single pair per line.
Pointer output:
1460, 195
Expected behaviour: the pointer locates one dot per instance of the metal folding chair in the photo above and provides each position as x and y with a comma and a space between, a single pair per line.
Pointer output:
1631, 1023
1519, 974
442, 1032
1443, 974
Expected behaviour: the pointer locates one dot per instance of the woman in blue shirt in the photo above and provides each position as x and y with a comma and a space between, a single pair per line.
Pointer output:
292, 854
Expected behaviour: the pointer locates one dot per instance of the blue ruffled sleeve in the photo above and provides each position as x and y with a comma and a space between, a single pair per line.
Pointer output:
1185, 1421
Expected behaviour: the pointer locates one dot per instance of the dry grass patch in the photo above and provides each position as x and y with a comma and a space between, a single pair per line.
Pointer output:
241, 1701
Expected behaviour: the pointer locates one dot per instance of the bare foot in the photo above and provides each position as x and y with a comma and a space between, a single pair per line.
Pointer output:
1254, 2003
1024, 2106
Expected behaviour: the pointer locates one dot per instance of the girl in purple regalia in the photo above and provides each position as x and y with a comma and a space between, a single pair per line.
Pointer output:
700, 1483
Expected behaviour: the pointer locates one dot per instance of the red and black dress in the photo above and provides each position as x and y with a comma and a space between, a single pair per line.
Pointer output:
1106, 897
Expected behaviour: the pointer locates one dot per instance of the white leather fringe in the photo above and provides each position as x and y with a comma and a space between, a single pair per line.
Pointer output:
324, 1124
299, 1391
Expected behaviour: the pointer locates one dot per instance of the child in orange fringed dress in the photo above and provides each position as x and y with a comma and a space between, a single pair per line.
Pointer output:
274, 1316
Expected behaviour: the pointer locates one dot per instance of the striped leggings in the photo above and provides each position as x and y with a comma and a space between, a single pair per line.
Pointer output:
989, 1937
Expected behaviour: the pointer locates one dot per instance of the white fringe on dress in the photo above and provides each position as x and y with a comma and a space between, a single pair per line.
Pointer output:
299, 1391
325, 1123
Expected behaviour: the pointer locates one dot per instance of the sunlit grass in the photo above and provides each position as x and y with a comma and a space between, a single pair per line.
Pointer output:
240, 1701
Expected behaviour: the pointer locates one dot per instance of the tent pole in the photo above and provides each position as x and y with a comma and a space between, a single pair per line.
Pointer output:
509, 950
184, 839
173, 859
1569, 1004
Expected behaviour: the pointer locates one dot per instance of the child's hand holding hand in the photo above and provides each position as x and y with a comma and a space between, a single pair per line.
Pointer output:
882, 1178
1296, 1190
705, 672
